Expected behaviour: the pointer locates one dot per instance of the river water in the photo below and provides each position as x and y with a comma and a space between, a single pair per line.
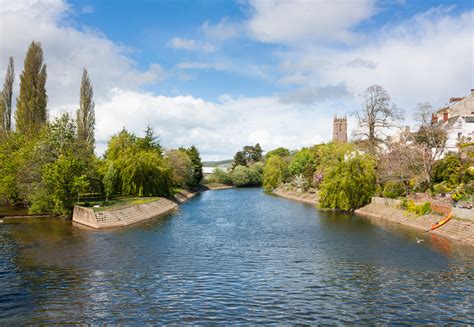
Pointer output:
234, 257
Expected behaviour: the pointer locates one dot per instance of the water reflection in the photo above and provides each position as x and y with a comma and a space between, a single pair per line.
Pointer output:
233, 257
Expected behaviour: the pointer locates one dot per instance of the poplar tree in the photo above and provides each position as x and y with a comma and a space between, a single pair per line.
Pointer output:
6, 98
85, 116
31, 111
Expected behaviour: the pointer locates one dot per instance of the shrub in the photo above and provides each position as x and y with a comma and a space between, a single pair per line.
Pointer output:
419, 209
394, 190
219, 176
275, 172
244, 176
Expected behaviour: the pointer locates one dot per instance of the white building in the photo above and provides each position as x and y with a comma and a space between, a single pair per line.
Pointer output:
458, 119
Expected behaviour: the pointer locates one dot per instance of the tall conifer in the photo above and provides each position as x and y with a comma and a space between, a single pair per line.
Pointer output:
6, 98
85, 116
31, 111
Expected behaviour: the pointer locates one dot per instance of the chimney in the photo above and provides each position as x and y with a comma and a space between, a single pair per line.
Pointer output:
407, 129
472, 92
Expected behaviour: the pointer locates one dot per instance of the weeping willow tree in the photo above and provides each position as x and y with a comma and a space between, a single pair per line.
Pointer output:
349, 183
139, 167
143, 173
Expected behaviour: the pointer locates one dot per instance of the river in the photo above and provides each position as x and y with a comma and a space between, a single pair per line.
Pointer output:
234, 256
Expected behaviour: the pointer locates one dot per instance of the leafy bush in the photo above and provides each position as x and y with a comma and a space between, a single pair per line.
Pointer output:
441, 188
219, 176
419, 209
245, 176
394, 190
275, 172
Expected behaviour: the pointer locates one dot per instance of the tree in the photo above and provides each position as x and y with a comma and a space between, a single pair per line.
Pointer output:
430, 138
6, 98
348, 184
248, 155
246, 176
376, 114
31, 112
194, 156
85, 115
256, 153
275, 172
80, 185
239, 159
303, 162
150, 141
182, 167
399, 165
140, 167
110, 181
281, 152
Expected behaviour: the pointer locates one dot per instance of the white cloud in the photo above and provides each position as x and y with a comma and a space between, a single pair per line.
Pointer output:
282, 21
310, 94
66, 51
222, 30
426, 58
191, 45
218, 129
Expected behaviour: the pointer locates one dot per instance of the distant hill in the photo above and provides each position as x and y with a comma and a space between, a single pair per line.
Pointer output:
221, 164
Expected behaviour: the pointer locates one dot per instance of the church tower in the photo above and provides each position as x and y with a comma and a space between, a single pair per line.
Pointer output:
339, 129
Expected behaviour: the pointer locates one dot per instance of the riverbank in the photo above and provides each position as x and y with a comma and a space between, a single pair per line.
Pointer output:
129, 214
456, 229
311, 198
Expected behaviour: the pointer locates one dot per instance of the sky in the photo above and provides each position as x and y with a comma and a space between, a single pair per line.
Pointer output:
221, 74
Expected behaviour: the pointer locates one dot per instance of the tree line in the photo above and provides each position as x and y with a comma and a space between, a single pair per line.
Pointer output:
47, 165
347, 175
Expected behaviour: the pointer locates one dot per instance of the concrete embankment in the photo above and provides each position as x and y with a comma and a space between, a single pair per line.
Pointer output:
455, 229
311, 198
128, 215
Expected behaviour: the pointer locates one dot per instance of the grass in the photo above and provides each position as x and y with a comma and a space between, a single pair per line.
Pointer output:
117, 202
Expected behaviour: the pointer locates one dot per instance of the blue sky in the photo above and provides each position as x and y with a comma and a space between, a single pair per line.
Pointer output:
223, 74
147, 26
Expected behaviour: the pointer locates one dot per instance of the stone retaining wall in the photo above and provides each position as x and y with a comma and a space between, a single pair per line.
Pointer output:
467, 214
393, 203
459, 230
312, 198
122, 216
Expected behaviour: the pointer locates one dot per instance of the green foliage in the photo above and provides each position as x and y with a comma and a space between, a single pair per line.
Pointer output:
280, 152
441, 188
303, 163
394, 190
245, 176
85, 115
144, 173
60, 180
195, 157
219, 176
275, 172
449, 170
31, 110
140, 168
349, 183
248, 155
418, 209
6, 96
182, 167
110, 181
239, 159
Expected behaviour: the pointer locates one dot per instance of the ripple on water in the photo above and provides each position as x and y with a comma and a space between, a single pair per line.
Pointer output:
232, 257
